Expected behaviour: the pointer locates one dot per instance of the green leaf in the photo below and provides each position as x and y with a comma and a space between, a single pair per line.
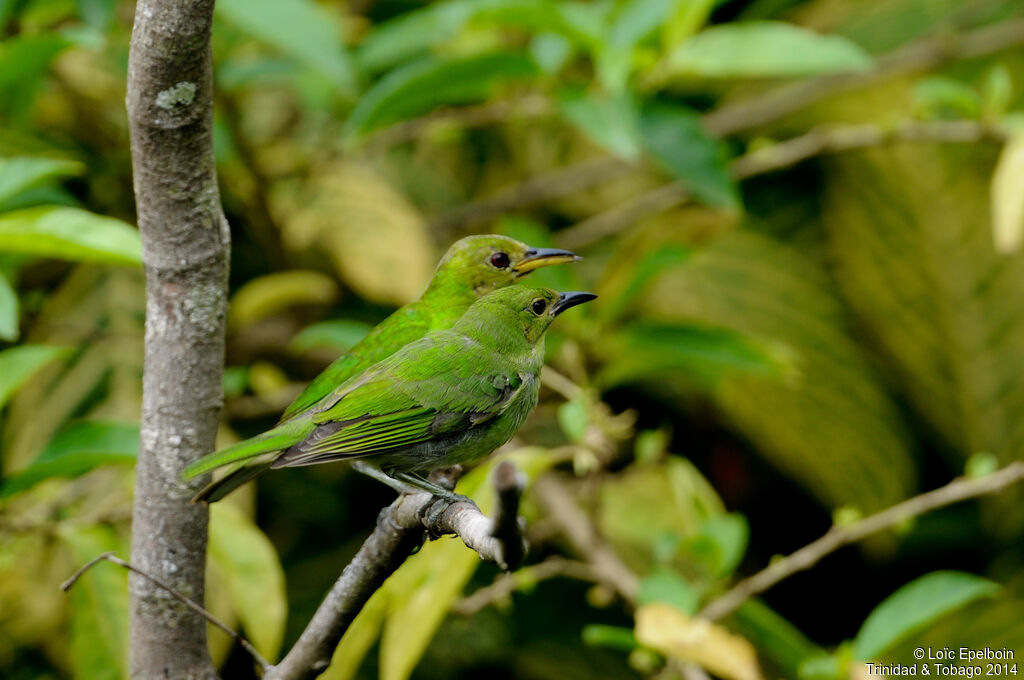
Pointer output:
942, 97
765, 49
609, 637
24, 61
411, 33
70, 233
915, 605
610, 121
18, 175
76, 450
9, 327
644, 350
573, 418
245, 559
674, 136
99, 606
551, 51
17, 365
300, 29
721, 540
774, 636
423, 85
341, 335
665, 585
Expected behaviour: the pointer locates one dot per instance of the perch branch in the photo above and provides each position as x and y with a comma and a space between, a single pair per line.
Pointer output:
401, 528
838, 536
111, 557
747, 114
824, 139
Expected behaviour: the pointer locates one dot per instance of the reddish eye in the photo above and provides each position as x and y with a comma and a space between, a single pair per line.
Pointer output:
500, 260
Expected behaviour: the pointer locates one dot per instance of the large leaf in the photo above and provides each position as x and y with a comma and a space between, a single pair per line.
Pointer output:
20, 174
675, 137
609, 121
99, 607
301, 29
340, 335
423, 85
765, 49
77, 450
69, 233
909, 233
358, 218
916, 605
24, 61
17, 365
245, 560
833, 402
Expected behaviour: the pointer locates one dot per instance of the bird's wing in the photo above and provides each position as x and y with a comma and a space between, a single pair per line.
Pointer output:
431, 389
404, 326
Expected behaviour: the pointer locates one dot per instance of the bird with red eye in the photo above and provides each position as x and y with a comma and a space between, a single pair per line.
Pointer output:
501, 260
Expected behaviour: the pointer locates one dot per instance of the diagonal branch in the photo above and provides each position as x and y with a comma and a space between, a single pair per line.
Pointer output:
824, 139
401, 528
748, 114
838, 536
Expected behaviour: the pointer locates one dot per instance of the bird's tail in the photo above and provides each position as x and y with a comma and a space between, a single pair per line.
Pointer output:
250, 458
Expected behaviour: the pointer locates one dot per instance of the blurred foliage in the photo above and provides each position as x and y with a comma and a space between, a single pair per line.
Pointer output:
767, 356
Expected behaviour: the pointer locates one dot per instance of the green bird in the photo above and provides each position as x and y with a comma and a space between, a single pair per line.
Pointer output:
472, 267
451, 397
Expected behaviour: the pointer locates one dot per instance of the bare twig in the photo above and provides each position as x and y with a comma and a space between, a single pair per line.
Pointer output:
506, 584
824, 139
401, 528
959, 489
917, 56
111, 557
582, 534
748, 114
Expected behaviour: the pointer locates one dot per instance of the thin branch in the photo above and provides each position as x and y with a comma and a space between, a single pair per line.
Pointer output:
747, 114
920, 55
825, 139
582, 534
401, 528
506, 584
959, 489
111, 557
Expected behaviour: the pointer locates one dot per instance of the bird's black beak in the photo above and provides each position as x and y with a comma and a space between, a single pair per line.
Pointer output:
535, 258
571, 299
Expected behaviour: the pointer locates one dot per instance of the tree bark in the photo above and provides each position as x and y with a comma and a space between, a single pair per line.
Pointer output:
185, 251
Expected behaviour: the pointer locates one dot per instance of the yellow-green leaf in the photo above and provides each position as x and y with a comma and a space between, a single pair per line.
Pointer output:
1008, 197
273, 293
70, 234
249, 565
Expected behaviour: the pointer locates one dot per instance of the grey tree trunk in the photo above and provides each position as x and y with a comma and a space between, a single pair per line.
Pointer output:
185, 250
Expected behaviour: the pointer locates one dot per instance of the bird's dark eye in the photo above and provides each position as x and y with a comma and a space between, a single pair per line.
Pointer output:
539, 305
500, 260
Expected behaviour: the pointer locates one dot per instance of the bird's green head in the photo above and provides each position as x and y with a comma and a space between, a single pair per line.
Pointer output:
488, 262
498, 315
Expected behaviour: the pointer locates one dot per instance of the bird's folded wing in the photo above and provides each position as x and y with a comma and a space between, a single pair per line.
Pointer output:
387, 413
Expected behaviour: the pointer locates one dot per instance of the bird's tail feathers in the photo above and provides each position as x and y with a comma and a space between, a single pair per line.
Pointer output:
280, 438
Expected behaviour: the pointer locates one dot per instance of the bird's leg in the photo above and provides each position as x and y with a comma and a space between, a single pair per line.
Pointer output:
421, 484
383, 477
